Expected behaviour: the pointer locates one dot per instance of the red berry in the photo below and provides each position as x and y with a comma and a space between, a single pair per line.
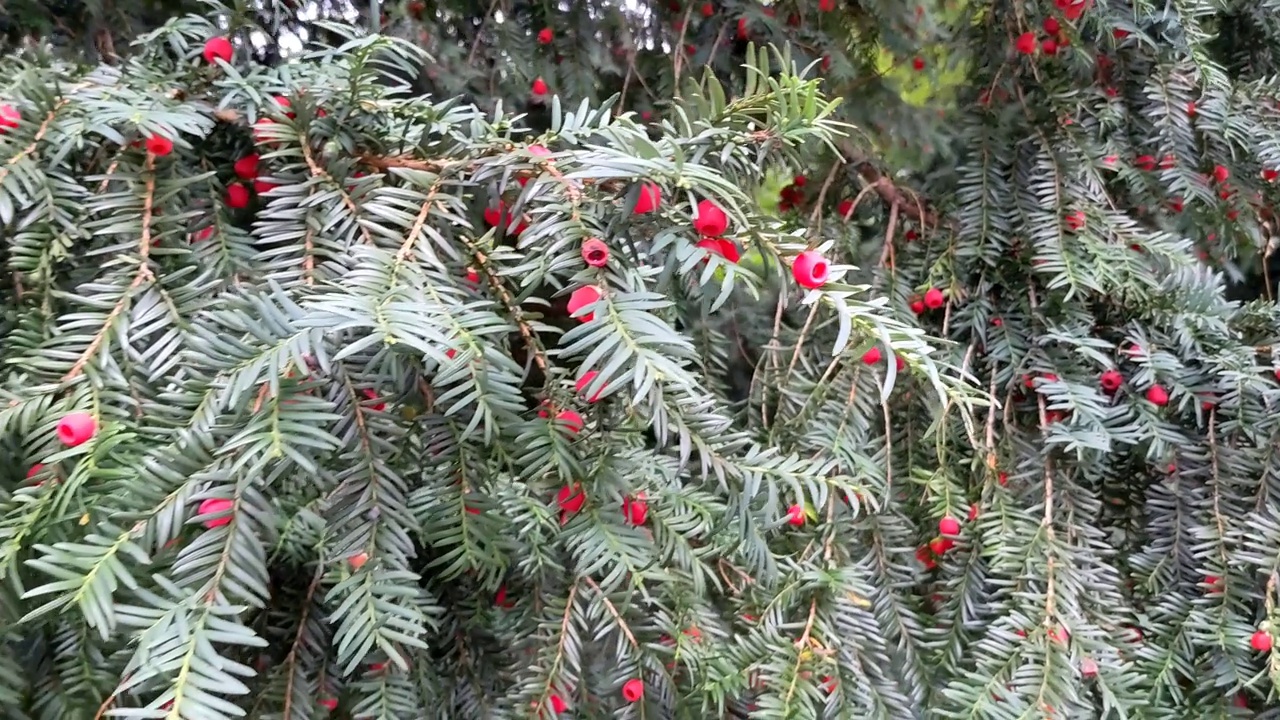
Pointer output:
810, 269
1145, 162
1051, 26
218, 48
635, 511
9, 118
358, 560
799, 181
949, 526
871, 357
1111, 380
795, 515
918, 63
925, 555
1261, 641
34, 470
215, 506
845, 207
545, 36
633, 689
373, 395
500, 598
159, 145
329, 704
649, 200
1119, 34
571, 420
917, 306
237, 196
585, 382
570, 498
708, 9
540, 87
1158, 396
973, 512
284, 106
940, 546
1075, 220
1191, 108
711, 221
76, 428
1049, 46
1026, 43
246, 167
584, 296
558, 705
743, 33
899, 363
934, 299
595, 253
1268, 174
262, 187
1220, 173
826, 5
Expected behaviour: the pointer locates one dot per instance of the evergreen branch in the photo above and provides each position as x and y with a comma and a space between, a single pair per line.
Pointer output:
142, 275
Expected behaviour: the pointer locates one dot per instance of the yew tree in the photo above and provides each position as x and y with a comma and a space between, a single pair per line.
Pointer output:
660, 359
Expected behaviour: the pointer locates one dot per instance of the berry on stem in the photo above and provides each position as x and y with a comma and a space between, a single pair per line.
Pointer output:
218, 48
795, 515
545, 36
76, 428
214, 506
237, 196
539, 87
1026, 43
633, 689
1111, 380
246, 168
635, 510
595, 253
9, 118
949, 526
934, 299
584, 383
571, 420
871, 357
711, 220
811, 269
159, 145
1158, 396
358, 560
1260, 641
570, 498
650, 199
584, 296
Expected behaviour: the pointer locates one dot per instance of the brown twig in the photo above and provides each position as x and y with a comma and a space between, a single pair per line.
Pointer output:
35, 141
626, 630
143, 273
320, 172
291, 658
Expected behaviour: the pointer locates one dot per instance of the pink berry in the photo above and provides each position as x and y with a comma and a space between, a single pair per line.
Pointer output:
711, 220
77, 427
811, 269
214, 506
218, 48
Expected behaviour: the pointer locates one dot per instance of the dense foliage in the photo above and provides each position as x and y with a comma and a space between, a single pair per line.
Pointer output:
357, 450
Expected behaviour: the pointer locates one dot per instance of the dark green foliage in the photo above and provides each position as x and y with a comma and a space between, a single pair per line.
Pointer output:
321, 359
